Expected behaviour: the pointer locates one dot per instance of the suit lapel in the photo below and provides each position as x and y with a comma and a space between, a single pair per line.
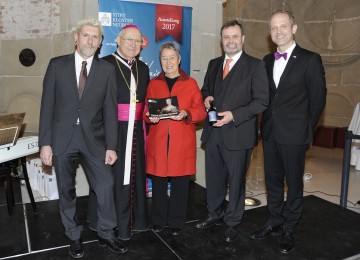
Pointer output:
72, 74
216, 74
91, 74
232, 83
239, 66
293, 58
270, 68
94, 67
219, 71
234, 74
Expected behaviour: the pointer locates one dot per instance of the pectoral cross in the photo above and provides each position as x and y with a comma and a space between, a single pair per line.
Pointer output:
135, 100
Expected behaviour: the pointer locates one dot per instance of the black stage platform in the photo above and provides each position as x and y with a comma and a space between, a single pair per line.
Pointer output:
325, 232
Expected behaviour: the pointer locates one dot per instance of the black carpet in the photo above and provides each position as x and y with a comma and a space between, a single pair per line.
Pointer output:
325, 232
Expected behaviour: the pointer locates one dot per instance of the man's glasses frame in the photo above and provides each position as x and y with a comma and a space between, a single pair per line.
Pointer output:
131, 41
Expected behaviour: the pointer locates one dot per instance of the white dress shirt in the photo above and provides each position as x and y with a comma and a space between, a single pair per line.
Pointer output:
78, 64
280, 64
234, 60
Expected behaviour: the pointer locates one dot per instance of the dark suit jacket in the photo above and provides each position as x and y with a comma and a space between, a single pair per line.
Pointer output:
61, 106
244, 92
296, 105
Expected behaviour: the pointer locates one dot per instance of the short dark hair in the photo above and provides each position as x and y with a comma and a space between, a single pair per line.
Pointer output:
232, 23
290, 14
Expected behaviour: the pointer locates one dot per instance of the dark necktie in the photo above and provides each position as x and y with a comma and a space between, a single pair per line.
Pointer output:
82, 78
278, 55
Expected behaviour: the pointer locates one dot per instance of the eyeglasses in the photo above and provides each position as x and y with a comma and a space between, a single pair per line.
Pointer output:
131, 41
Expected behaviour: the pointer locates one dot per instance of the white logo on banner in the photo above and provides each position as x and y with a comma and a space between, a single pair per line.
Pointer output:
105, 18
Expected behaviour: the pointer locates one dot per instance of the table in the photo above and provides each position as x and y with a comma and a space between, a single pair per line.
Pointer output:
24, 146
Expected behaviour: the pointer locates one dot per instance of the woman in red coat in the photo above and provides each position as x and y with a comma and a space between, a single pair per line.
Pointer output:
171, 147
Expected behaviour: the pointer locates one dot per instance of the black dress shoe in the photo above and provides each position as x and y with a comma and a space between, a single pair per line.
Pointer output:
114, 244
157, 228
230, 234
265, 231
287, 243
175, 231
207, 223
76, 249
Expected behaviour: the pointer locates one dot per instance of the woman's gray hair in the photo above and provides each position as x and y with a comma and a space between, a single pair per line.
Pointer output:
170, 45
91, 22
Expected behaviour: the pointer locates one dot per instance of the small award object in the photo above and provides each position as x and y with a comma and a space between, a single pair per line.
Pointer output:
163, 107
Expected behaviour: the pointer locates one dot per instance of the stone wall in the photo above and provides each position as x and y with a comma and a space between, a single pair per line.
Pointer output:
45, 27
329, 27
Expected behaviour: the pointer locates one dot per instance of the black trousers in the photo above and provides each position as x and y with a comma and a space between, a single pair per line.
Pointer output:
101, 182
170, 211
130, 200
284, 162
225, 167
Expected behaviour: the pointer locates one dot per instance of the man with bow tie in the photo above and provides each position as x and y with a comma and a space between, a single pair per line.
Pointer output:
297, 99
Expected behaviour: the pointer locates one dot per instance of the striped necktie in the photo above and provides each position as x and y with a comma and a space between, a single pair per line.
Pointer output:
82, 78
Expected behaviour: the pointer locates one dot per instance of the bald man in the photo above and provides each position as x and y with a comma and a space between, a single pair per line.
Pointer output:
132, 78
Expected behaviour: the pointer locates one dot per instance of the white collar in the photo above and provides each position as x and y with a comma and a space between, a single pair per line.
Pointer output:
234, 58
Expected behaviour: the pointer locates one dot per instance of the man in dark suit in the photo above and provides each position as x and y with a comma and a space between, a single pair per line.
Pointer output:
78, 118
239, 96
297, 99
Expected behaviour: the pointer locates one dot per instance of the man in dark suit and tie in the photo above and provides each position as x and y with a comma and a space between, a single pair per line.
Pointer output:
297, 99
237, 85
78, 118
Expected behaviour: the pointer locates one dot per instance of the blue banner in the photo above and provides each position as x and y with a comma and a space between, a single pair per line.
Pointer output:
158, 24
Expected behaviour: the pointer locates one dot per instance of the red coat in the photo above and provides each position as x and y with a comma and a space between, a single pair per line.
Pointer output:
180, 158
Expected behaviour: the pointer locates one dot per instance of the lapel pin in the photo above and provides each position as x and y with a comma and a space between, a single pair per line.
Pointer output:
294, 57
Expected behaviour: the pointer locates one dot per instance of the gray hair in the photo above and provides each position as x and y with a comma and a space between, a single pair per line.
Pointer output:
91, 22
172, 46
